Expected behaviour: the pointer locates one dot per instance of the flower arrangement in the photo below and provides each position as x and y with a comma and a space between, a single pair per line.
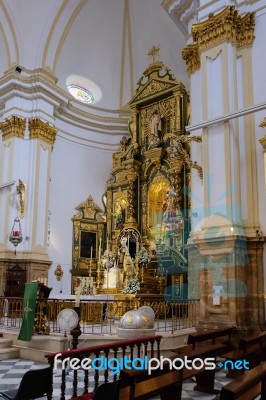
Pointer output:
143, 256
132, 286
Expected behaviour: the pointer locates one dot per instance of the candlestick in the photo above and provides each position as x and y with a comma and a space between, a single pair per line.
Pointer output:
90, 263
77, 299
100, 247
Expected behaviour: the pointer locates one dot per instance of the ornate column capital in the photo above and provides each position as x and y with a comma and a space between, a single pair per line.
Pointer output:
42, 130
191, 55
13, 127
226, 26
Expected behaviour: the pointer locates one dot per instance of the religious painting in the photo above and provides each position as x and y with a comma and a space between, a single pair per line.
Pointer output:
88, 242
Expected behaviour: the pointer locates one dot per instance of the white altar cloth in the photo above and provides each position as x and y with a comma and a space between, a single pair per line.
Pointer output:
95, 297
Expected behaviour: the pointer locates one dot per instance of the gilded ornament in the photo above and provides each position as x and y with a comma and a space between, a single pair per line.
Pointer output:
263, 123
42, 130
21, 191
225, 26
13, 127
191, 56
58, 272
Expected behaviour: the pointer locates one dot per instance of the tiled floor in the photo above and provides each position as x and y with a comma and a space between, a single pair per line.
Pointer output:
11, 372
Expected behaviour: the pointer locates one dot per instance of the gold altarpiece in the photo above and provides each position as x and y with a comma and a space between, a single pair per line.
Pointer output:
88, 234
153, 161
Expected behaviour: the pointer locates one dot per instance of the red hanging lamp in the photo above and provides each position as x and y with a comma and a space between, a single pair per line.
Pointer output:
15, 236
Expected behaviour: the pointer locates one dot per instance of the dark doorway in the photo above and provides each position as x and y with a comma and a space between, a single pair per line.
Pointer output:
15, 280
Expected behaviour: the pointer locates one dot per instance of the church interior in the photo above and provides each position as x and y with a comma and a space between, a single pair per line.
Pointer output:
133, 163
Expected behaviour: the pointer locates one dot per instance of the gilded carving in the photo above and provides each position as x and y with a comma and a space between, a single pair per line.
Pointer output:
262, 140
263, 123
42, 130
21, 191
76, 231
191, 56
225, 26
13, 127
153, 88
156, 122
88, 227
156, 152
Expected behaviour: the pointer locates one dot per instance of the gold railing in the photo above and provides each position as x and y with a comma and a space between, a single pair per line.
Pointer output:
99, 316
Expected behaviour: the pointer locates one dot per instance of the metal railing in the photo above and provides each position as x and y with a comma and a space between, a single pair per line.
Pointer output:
99, 316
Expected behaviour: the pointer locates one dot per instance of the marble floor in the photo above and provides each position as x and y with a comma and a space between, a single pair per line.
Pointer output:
11, 372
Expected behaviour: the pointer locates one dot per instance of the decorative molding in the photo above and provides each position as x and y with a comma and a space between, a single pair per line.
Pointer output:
42, 130
181, 12
13, 127
191, 56
225, 26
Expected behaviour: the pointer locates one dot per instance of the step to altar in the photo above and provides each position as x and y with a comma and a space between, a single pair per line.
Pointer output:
7, 351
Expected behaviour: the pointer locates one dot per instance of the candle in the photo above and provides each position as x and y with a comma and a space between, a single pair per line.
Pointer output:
91, 254
77, 296
137, 247
107, 247
100, 244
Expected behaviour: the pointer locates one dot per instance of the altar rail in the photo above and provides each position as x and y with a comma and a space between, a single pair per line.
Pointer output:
82, 380
100, 316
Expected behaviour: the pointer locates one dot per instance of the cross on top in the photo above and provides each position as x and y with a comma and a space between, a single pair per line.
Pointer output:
153, 52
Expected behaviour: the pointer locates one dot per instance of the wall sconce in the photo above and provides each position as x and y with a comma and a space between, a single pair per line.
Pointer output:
58, 272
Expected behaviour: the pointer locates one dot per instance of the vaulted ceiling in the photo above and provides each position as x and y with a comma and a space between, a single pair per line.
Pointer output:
106, 41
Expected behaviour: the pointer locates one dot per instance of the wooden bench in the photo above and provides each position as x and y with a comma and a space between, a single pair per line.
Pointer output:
214, 336
139, 385
248, 386
251, 348
205, 379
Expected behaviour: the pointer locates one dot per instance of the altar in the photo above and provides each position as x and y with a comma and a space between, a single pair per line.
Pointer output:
146, 209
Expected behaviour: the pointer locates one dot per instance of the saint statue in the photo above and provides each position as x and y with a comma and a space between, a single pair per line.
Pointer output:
155, 128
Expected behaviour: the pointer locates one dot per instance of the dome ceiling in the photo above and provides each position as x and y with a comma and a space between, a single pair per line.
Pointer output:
105, 41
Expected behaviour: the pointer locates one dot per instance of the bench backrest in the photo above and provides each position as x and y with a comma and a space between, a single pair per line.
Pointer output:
211, 336
254, 342
139, 385
247, 386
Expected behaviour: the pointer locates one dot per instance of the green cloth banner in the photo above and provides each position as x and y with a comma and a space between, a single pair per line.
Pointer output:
29, 307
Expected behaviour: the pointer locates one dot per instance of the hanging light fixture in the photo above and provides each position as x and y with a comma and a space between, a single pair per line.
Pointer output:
15, 236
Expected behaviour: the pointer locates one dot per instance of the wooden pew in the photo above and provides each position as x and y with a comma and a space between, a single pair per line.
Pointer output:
251, 348
214, 336
248, 386
139, 385
205, 379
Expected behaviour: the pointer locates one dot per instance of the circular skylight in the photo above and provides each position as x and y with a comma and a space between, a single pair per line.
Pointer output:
83, 90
